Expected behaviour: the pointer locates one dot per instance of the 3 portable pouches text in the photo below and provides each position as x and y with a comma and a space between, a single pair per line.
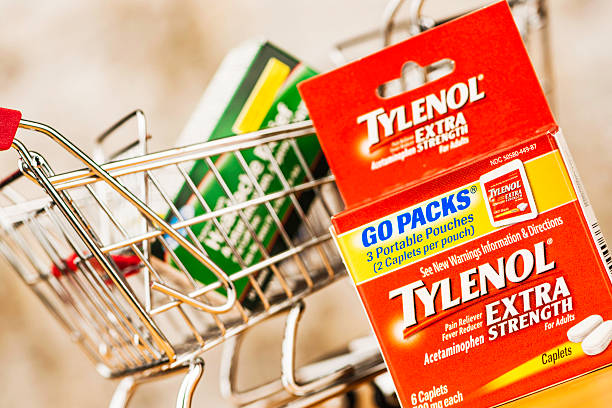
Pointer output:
467, 233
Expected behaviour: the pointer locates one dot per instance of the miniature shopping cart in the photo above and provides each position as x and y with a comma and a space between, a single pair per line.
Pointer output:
139, 317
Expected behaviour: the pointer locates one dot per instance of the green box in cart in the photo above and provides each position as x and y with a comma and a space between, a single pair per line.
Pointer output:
255, 88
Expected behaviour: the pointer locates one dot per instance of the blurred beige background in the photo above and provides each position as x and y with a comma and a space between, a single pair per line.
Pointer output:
81, 65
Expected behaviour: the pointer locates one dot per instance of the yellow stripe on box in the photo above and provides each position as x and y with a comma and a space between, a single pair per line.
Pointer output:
534, 366
262, 97
551, 188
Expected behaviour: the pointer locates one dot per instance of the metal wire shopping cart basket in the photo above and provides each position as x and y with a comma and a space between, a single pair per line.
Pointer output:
133, 314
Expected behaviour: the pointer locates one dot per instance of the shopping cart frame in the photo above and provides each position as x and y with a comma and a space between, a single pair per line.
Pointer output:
169, 361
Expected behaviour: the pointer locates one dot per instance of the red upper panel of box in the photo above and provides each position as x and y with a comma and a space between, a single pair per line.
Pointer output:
375, 144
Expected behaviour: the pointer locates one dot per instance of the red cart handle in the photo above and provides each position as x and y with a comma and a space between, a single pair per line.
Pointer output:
9, 122
128, 264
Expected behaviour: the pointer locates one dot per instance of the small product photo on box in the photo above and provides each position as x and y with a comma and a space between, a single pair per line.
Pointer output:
507, 194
